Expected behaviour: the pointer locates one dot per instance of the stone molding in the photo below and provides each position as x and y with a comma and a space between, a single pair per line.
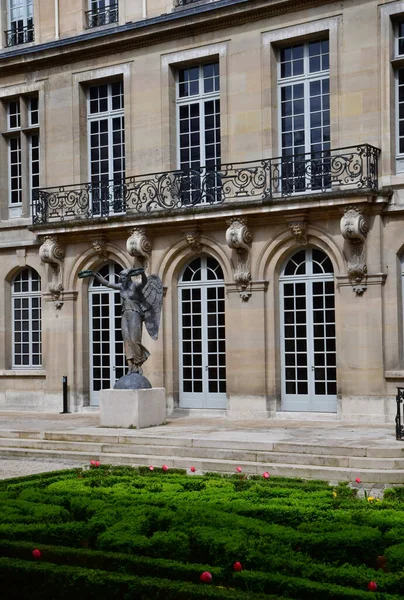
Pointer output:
374, 279
298, 226
255, 286
99, 244
354, 229
52, 254
139, 246
239, 239
193, 239
66, 296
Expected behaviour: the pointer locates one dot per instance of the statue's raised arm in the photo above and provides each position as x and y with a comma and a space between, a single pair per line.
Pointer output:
153, 300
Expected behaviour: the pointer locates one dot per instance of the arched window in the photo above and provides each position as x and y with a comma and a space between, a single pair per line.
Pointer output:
308, 345
202, 335
26, 315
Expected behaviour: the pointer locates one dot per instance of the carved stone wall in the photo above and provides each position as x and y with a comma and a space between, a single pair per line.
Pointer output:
239, 239
354, 229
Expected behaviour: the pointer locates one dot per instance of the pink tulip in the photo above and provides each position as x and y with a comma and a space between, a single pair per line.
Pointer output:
237, 566
192, 469
239, 469
358, 480
36, 554
372, 586
92, 462
266, 475
165, 468
206, 577
151, 468
97, 463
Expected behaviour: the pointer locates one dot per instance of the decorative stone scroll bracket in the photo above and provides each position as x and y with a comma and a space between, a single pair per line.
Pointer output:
138, 245
52, 254
193, 239
354, 229
239, 239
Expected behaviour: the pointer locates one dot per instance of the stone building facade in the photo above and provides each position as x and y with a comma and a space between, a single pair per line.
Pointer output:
251, 153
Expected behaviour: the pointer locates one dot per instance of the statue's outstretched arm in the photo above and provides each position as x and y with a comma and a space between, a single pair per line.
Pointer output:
103, 281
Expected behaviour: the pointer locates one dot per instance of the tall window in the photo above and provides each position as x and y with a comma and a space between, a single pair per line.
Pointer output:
106, 127
26, 307
399, 53
102, 12
20, 22
199, 153
23, 152
304, 90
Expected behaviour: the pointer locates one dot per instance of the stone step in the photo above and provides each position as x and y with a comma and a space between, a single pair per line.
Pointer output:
221, 465
391, 451
330, 460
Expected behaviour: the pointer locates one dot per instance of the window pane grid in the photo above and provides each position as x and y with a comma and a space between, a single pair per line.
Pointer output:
106, 147
15, 167
26, 305
305, 116
198, 102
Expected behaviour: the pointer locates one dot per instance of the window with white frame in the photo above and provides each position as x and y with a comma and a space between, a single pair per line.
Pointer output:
198, 127
26, 315
106, 137
399, 53
102, 12
20, 22
304, 99
22, 136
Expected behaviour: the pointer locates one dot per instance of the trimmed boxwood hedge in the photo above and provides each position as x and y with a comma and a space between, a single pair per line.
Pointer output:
120, 532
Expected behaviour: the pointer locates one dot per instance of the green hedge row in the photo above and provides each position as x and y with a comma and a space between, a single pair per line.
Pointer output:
46, 581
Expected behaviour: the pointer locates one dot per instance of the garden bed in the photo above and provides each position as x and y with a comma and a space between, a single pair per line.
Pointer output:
117, 532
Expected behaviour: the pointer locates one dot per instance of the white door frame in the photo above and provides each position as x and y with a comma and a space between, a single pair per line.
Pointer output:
205, 398
309, 401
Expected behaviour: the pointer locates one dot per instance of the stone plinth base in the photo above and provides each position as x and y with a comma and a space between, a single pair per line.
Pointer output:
132, 408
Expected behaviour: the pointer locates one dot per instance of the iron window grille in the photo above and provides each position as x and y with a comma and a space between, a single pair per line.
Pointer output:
102, 14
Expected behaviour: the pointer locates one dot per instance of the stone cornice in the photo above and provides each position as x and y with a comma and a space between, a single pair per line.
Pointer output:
255, 286
371, 279
179, 23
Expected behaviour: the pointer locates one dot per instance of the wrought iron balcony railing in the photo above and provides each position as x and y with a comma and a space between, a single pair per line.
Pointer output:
19, 35
185, 2
102, 16
354, 168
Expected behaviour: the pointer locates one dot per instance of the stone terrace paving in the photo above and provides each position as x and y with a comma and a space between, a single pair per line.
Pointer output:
29, 444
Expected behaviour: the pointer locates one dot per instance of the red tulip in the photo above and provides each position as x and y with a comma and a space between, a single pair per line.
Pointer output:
192, 469
151, 468
165, 468
97, 463
358, 480
372, 586
239, 469
237, 566
92, 462
36, 554
266, 475
206, 577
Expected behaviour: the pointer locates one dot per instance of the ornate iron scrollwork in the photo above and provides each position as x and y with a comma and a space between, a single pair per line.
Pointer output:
399, 426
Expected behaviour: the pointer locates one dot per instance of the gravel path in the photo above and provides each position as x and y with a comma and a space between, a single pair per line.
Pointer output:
18, 467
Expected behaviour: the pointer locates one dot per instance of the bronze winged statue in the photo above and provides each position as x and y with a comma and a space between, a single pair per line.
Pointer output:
141, 302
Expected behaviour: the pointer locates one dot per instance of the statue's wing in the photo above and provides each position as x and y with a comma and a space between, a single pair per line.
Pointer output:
152, 303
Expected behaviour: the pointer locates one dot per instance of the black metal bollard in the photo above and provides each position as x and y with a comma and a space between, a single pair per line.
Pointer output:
399, 426
64, 385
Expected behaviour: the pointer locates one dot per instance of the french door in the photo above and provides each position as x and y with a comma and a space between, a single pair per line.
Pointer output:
202, 335
308, 351
107, 356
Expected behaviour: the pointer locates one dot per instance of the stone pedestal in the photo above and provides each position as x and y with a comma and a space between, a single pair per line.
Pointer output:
132, 408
